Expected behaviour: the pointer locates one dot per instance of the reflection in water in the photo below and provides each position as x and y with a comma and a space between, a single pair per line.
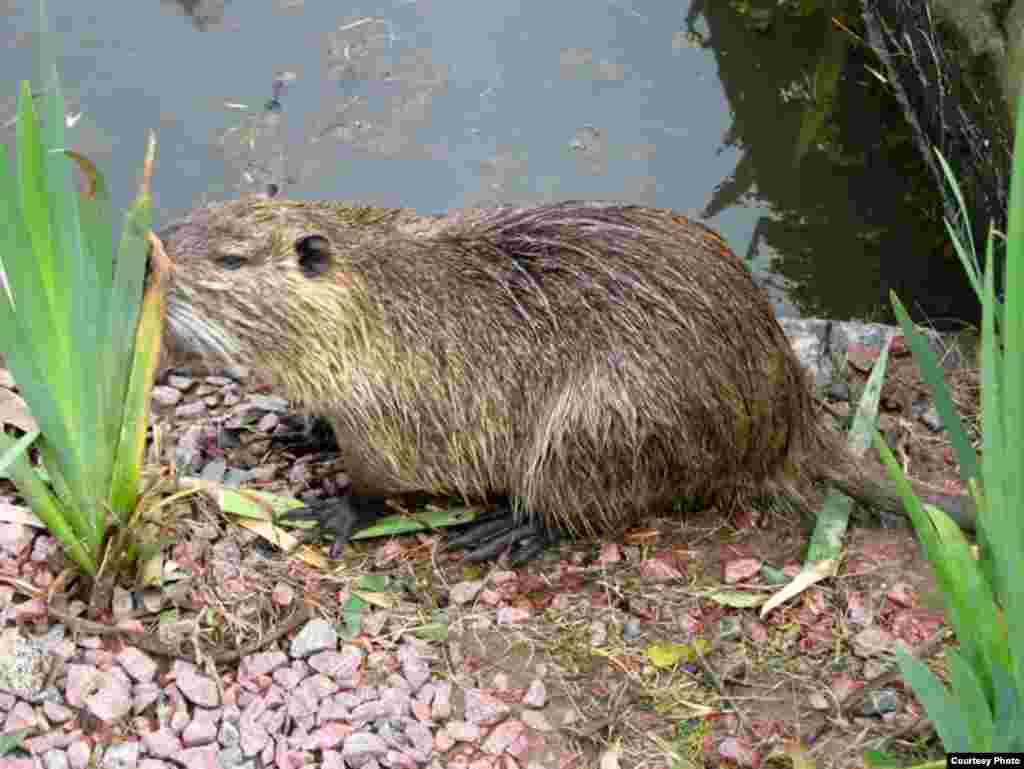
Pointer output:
851, 214
205, 14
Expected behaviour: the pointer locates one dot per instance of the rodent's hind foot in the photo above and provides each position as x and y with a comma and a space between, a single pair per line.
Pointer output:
489, 536
341, 517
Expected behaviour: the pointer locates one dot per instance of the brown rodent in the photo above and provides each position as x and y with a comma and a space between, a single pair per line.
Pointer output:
590, 362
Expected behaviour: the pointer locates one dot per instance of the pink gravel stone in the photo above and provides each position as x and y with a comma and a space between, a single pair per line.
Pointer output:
340, 665
57, 713
204, 757
21, 716
483, 708
198, 689
262, 664
503, 736
162, 743
139, 665
442, 705
79, 754
536, 696
202, 729
462, 731
112, 701
330, 736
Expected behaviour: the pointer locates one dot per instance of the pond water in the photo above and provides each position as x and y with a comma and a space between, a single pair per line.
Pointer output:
435, 105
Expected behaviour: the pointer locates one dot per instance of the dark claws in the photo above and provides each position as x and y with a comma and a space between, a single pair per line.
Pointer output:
486, 538
489, 537
341, 517
481, 530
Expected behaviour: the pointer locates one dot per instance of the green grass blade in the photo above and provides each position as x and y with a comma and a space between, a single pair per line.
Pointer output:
96, 213
865, 420
1008, 711
136, 321
834, 519
124, 487
993, 435
1004, 524
966, 259
35, 209
126, 301
87, 381
11, 740
45, 505
968, 255
969, 601
15, 338
90, 443
39, 347
829, 529
107, 368
977, 710
15, 450
941, 708
969, 598
136, 352
931, 371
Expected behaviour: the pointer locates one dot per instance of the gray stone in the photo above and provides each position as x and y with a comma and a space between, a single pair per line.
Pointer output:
317, 635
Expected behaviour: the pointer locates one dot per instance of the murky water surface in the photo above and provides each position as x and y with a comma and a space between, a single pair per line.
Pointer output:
436, 104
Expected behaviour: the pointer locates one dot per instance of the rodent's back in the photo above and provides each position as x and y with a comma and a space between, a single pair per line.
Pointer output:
593, 361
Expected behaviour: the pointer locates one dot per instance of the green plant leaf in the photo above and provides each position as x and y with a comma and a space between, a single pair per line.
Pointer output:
94, 300
39, 358
774, 576
735, 599
44, 503
85, 455
127, 462
135, 324
969, 601
1003, 414
352, 616
865, 420
967, 254
834, 519
66, 333
35, 208
971, 698
12, 740
15, 450
878, 760
375, 583
97, 217
931, 372
435, 630
941, 708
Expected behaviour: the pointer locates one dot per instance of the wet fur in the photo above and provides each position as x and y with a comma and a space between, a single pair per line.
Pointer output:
592, 362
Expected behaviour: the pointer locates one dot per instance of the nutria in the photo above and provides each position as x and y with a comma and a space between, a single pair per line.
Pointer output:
589, 362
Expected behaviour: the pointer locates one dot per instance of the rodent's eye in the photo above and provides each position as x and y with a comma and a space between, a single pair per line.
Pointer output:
314, 255
231, 261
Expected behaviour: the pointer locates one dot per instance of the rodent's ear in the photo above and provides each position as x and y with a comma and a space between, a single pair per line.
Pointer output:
314, 255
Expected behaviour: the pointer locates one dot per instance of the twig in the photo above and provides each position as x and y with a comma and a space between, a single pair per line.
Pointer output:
145, 640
